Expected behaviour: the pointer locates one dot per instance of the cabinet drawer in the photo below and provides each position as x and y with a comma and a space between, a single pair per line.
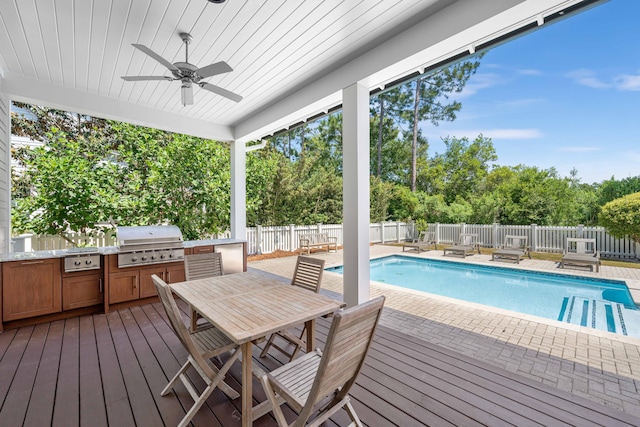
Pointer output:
202, 249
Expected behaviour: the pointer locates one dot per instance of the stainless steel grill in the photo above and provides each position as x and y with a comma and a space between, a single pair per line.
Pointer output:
154, 244
81, 259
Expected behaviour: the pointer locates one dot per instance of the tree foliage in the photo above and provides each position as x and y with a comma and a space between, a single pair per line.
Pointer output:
621, 217
93, 171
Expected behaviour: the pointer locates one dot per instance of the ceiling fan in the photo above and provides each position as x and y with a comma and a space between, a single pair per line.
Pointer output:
188, 73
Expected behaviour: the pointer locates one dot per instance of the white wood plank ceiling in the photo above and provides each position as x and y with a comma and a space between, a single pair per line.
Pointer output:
285, 53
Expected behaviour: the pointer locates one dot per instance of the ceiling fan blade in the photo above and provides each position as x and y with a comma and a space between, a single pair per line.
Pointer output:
214, 69
140, 78
155, 56
220, 91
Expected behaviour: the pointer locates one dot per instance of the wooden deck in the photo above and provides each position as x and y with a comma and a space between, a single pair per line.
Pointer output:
108, 370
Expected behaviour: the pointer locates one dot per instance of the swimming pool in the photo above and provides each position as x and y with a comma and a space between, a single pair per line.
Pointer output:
598, 303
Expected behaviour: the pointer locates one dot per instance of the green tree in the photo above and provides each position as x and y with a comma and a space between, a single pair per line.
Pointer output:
621, 217
431, 101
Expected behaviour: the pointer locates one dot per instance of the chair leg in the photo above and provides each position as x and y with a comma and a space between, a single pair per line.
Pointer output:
175, 378
267, 346
275, 404
352, 414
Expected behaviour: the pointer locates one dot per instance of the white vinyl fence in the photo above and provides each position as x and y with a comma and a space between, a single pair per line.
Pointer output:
262, 240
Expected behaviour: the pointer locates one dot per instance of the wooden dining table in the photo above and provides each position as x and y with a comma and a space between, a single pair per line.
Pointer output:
249, 306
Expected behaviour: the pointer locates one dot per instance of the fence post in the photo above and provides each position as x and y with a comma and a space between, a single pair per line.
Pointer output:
495, 234
463, 228
580, 231
382, 233
259, 239
398, 231
534, 238
292, 238
320, 228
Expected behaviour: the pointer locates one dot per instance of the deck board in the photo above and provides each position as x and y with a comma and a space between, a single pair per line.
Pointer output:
44, 388
108, 370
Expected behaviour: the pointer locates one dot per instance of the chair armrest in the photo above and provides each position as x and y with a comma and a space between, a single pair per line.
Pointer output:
332, 239
305, 241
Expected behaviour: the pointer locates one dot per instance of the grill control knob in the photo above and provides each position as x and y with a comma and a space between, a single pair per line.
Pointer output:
77, 263
134, 259
170, 255
88, 262
162, 256
153, 257
144, 258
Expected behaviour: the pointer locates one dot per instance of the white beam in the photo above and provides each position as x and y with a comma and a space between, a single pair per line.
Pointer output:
5, 171
238, 191
45, 94
355, 175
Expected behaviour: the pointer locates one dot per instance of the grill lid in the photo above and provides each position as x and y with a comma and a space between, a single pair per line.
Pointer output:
149, 237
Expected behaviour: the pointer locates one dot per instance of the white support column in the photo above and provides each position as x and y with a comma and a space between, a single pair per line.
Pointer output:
355, 157
5, 173
238, 191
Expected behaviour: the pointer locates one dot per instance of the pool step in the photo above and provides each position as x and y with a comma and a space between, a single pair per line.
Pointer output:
603, 315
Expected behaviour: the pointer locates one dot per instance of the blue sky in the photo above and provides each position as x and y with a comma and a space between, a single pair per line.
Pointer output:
564, 96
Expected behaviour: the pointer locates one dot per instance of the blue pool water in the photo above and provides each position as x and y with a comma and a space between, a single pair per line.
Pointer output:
598, 303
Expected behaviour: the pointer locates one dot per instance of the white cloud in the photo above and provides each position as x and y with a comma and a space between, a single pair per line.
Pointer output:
478, 82
529, 72
521, 102
577, 149
587, 78
628, 82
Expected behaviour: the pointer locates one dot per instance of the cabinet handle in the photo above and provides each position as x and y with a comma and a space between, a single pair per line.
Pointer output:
135, 283
168, 277
31, 262
101, 289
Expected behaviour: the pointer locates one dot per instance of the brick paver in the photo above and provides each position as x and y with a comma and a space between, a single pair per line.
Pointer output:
598, 365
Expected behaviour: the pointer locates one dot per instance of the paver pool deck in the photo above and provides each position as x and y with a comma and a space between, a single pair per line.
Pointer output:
601, 366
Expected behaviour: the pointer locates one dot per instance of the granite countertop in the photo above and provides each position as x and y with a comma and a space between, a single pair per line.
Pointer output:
107, 250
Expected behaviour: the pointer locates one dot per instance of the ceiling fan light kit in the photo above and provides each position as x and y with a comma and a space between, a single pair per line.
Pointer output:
188, 73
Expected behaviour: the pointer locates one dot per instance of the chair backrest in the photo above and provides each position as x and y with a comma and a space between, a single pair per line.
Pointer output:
201, 266
467, 239
515, 242
427, 237
178, 326
345, 350
308, 273
581, 246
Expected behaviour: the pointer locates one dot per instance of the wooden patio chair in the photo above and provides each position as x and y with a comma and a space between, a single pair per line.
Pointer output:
467, 245
581, 252
201, 266
201, 346
307, 275
307, 382
424, 242
514, 247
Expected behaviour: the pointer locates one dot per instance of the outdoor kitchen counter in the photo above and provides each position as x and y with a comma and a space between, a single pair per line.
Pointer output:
107, 250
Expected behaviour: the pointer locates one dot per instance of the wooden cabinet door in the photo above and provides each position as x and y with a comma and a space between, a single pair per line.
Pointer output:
123, 286
147, 288
176, 273
82, 291
31, 288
